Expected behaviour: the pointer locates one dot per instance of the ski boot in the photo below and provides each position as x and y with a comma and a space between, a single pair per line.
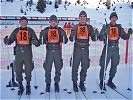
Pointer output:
111, 84
75, 87
21, 89
47, 87
82, 86
102, 86
56, 87
28, 89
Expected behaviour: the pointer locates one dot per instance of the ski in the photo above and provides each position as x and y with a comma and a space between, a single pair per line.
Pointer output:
57, 95
103, 92
117, 91
27, 97
47, 96
19, 97
77, 96
87, 97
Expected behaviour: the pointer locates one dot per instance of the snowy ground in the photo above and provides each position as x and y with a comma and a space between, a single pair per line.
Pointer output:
122, 81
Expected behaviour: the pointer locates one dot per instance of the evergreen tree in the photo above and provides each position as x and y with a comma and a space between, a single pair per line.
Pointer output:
21, 10
59, 1
56, 4
31, 3
25, 13
108, 3
41, 5
78, 2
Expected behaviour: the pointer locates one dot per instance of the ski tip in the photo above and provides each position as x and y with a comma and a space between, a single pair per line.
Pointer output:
64, 89
35, 87
94, 91
102, 92
129, 89
69, 92
41, 93
12, 89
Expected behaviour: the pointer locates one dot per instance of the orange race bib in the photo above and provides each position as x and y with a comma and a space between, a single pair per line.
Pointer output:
82, 32
114, 35
22, 37
53, 36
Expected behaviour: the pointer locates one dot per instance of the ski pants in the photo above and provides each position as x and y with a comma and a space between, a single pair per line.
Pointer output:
53, 56
113, 55
23, 56
80, 55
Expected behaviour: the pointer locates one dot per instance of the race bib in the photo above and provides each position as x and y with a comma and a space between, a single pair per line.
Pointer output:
82, 32
22, 37
114, 35
53, 36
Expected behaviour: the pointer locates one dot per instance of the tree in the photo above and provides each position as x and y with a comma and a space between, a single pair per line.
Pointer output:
108, 3
78, 2
56, 4
25, 13
59, 1
21, 10
41, 5
31, 3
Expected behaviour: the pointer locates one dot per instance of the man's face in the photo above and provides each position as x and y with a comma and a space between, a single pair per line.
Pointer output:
113, 20
53, 23
23, 23
82, 19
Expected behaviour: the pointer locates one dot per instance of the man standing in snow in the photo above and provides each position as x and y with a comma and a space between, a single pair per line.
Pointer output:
114, 31
53, 36
24, 37
80, 35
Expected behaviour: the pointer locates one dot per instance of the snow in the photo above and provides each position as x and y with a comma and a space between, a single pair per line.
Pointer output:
66, 83
123, 78
96, 16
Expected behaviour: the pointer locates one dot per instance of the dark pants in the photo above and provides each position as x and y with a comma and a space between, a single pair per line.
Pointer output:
23, 57
53, 56
80, 55
113, 55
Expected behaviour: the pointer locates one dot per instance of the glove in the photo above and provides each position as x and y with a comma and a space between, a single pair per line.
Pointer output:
130, 31
6, 40
96, 32
35, 42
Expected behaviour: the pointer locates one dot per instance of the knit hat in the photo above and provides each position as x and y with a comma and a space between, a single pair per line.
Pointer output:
82, 13
113, 14
53, 17
23, 18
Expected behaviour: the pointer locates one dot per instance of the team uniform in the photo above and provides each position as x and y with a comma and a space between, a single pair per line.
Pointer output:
114, 33
80, 34
24, 38
53, 37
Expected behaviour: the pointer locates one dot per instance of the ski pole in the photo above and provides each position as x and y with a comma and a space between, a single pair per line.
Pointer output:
11, 70
105, 60
35, 86
126, 62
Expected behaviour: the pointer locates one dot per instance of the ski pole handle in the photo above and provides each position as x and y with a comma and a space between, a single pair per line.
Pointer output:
42, 40
106, 21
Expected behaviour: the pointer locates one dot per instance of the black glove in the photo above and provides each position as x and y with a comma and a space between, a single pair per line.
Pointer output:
130, 31
6, 40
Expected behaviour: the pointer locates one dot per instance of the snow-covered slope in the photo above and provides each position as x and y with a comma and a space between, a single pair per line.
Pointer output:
122, 8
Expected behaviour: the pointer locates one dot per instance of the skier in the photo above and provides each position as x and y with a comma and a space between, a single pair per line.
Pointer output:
52, 36
114, 31
24, 37
80, 33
